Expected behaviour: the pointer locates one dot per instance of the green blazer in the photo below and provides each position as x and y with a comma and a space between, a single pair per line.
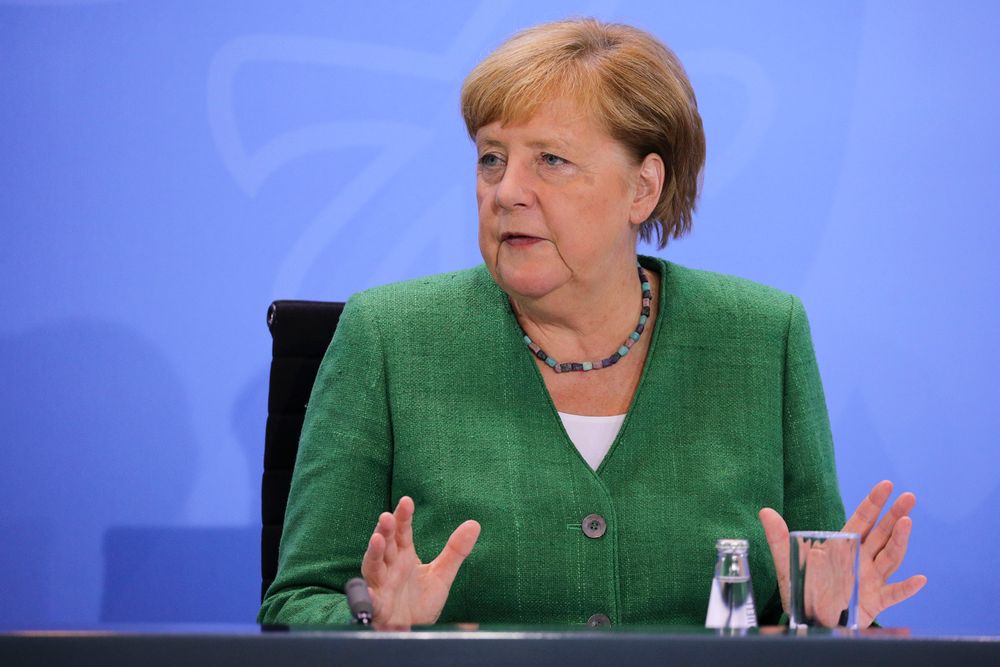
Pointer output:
428, 390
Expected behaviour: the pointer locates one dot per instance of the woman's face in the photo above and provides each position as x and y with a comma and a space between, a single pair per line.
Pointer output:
560, 201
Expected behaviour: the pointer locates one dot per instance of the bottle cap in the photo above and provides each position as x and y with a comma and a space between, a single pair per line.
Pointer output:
731, 545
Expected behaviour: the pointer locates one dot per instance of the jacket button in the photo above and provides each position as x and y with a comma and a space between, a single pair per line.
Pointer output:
599, 621
594, 526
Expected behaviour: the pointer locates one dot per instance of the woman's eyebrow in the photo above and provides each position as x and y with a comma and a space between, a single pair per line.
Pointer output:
556, 144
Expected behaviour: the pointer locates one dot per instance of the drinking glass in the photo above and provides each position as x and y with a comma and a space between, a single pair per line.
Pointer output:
823, 581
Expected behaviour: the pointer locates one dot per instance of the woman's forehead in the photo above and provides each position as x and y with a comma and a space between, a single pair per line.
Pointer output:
556, 121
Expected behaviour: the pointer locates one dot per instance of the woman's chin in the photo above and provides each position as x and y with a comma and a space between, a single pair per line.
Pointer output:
529, 282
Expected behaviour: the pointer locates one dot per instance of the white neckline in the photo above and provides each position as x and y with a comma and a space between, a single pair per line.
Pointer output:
592, 435
592, 418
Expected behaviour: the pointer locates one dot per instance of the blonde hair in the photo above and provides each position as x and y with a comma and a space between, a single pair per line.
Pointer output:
626, 78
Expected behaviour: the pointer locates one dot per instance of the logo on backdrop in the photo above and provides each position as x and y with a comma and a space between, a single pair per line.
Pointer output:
397, 143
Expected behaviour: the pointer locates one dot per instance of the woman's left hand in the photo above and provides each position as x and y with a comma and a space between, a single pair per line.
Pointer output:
883, 546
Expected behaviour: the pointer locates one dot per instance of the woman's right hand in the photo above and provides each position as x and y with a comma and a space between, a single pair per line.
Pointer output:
405, 591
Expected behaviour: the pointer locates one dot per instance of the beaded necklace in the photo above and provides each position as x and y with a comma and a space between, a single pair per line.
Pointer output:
633, 338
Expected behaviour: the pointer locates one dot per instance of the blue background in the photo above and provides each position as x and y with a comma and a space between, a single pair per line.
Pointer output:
169, 168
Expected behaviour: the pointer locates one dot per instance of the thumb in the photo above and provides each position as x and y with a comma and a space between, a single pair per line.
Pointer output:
776, 532
459, 546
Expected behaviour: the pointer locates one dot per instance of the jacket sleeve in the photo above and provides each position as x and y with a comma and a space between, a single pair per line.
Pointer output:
812, 496
811, 492
341, 479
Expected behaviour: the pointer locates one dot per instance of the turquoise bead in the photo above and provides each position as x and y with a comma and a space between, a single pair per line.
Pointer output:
550, 361
634, 336
527, 340
645, 286
587, 366
623, 350
643, 319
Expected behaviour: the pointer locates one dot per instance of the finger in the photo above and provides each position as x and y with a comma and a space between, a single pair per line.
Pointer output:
813, 570
455, 552
896, 593
404, 523
890, 558
867, 513
776, 532
821, 593
372, 565
880, 535
387, 529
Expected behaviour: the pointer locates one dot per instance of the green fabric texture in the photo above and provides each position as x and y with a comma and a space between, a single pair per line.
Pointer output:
428, 390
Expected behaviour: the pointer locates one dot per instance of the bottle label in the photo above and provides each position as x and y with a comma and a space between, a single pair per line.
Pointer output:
730, 603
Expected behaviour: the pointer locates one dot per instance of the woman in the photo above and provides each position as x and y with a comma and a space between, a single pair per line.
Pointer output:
600, 419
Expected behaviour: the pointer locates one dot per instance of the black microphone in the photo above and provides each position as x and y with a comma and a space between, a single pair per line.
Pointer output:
359, 601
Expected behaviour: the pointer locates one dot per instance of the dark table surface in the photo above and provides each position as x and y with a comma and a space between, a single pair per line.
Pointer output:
471, 645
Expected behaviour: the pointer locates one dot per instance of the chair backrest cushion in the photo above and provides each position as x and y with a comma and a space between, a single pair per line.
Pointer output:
300, 332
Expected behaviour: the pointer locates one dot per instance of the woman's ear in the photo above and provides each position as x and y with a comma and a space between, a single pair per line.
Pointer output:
649, 185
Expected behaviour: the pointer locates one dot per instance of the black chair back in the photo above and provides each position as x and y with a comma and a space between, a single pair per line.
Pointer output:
300, 333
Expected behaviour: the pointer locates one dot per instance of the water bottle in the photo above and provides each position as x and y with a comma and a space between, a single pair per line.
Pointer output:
730, 601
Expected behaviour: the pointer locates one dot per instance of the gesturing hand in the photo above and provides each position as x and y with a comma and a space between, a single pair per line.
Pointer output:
883, 547
405, 591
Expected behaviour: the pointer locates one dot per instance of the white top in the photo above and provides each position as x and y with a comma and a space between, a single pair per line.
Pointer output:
593, 436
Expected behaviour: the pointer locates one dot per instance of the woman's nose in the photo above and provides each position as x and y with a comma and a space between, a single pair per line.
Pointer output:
516, 188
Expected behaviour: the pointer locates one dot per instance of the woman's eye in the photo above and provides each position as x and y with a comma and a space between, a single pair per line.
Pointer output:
552, 160
490, 160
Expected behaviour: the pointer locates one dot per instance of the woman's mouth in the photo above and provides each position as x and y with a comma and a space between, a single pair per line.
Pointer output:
519, 240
